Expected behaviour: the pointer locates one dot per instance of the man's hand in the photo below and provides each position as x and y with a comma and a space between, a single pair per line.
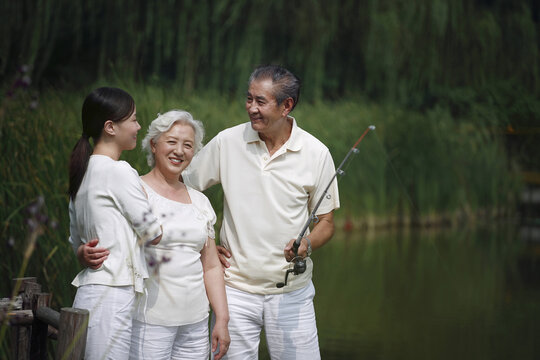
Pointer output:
223, 255
91, 256
289, 250
320, 234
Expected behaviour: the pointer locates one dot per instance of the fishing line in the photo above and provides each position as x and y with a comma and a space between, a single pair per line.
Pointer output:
411, 202
299, 262
394, 171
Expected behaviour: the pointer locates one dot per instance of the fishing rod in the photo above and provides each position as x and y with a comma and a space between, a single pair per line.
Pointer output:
299, 262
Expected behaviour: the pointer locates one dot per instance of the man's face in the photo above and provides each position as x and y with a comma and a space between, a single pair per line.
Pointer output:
264, 112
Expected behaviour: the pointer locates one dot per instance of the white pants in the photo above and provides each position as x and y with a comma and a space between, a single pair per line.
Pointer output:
109, 327
288, 320
170, 342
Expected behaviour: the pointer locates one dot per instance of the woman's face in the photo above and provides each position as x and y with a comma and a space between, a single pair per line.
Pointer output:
174, 149
126, 132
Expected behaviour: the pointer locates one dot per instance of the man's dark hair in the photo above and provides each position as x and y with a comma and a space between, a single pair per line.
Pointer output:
287, 85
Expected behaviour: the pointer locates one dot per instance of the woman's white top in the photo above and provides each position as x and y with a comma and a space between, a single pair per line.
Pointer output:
175, 291
111, 206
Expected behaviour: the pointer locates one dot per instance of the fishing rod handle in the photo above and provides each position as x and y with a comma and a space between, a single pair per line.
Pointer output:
296, 244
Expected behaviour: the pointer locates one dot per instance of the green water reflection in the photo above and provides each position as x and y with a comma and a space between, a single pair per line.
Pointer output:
469, 293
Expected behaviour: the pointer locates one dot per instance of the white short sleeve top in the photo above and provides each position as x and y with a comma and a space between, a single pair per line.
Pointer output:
175, 292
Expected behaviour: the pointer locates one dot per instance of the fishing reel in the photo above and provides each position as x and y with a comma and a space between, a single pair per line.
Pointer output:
299, 267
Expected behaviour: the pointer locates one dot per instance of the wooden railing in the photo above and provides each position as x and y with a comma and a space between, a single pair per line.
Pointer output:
31, 322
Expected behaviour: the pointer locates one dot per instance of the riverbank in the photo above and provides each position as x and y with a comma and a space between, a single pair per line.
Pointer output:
453, 219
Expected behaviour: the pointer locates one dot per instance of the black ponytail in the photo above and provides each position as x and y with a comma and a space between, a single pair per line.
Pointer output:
78, 162
100, 105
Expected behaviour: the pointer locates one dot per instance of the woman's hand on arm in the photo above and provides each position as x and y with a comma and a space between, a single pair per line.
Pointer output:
91, 256
215, 289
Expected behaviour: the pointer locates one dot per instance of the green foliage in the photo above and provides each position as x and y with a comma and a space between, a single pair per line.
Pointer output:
402, 51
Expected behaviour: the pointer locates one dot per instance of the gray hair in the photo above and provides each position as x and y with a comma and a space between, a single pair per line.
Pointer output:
286, 84
163, 123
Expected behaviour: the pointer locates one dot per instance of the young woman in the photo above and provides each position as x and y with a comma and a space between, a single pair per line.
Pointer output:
107, 201
186, 275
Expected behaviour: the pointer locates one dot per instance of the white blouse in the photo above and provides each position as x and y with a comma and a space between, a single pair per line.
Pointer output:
175, 293
111, 206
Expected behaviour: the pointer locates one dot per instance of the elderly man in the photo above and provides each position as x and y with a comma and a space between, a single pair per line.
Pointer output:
272, 173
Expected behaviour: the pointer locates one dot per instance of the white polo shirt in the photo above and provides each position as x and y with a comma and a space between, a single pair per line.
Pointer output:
267, 200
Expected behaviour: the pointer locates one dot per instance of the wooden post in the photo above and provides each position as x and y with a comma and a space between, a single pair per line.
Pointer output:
20, 323
21, 333
38, 342
72, 333
23, 281
30, 290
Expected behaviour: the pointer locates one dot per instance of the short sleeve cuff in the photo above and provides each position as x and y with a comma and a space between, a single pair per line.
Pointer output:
151, 232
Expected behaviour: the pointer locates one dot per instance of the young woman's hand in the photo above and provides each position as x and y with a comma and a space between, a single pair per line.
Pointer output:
220, 335
89, 255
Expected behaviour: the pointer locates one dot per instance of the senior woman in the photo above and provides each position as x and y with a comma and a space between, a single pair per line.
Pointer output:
171, 321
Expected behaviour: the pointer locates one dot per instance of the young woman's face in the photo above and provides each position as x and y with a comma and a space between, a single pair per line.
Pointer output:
174, 149
126, 132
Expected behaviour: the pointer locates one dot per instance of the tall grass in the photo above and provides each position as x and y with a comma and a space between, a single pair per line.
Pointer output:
415, 166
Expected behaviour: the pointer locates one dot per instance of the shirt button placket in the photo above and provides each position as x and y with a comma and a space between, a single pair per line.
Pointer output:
265, 161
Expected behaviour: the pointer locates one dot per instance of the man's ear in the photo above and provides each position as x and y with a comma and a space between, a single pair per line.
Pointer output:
108, 127
288, 105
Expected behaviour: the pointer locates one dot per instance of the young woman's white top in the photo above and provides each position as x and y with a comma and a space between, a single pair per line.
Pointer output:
112, 206
175, 291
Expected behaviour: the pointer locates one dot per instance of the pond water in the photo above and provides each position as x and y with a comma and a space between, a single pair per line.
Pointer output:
467, 293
